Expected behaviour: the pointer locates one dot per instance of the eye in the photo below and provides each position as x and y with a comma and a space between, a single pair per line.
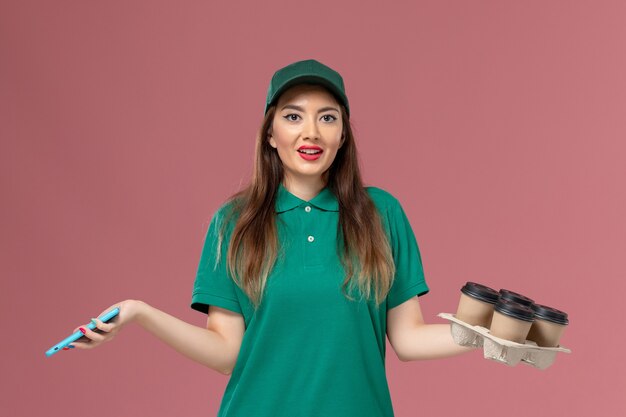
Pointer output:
288, 117
332, 118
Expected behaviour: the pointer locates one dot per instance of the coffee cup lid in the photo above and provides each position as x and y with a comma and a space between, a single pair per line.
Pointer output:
518, 298
480, 292
550, 314
515, 310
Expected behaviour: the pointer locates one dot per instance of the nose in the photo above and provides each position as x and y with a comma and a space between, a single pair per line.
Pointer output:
310, 129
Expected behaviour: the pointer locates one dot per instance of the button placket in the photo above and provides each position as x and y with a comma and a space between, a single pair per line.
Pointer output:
310, 231
310, 238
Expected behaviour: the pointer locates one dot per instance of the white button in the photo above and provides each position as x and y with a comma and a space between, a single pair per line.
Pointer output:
311, 238
307, 208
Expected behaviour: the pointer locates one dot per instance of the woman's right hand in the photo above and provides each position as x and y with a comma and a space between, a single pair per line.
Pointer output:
128, 313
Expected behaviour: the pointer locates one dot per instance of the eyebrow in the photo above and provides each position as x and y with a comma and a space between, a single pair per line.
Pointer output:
294, 107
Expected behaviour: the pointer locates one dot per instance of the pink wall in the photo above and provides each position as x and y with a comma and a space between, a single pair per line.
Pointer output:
123, 125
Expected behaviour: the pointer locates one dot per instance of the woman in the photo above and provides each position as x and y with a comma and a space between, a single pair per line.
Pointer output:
304, 272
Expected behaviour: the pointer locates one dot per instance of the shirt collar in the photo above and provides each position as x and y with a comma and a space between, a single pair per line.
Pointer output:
324, 200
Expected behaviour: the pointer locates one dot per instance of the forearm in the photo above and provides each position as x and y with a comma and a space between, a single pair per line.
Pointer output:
429, 341
198, 344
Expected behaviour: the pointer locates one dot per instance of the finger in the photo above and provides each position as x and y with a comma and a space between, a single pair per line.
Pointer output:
83, 345
100, 325
90, 334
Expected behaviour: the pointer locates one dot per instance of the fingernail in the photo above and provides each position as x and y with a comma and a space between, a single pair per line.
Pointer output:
71, 346
94, 322
82, 330
66, 348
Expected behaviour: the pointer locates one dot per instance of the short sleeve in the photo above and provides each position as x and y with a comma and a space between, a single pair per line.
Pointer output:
409, 279
213, 284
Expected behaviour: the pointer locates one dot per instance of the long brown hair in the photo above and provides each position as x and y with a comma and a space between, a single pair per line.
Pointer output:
368, 262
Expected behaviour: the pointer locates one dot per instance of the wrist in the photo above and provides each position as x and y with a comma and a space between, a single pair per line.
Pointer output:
136, 310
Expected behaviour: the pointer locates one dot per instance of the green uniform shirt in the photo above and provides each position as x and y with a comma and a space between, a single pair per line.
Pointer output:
308, 350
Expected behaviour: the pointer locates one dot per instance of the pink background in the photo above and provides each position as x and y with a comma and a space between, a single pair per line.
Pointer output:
498, 125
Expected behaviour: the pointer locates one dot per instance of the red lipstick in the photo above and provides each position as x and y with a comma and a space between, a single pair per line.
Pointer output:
310, 153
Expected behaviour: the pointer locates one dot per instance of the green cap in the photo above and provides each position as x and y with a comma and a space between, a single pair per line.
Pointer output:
308, 71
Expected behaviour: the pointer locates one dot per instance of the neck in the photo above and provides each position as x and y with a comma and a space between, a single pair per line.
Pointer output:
304, 189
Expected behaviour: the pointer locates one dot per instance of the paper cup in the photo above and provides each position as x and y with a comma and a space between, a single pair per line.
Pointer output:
548, 326
511, 321
476, 304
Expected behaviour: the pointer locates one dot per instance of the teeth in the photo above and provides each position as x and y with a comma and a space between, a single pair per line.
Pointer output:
309, 151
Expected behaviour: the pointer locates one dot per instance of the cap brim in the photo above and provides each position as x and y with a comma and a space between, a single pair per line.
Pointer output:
308, 79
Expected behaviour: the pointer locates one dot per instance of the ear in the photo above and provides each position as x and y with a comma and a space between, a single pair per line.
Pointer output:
271, 140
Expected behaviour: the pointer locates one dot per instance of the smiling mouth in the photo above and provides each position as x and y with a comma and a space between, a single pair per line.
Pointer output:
310, 151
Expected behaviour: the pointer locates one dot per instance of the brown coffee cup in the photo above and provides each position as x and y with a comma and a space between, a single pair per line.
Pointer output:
511, 321
476, 304
548, 326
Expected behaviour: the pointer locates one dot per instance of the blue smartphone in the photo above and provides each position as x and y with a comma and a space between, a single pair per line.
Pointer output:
78, 334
